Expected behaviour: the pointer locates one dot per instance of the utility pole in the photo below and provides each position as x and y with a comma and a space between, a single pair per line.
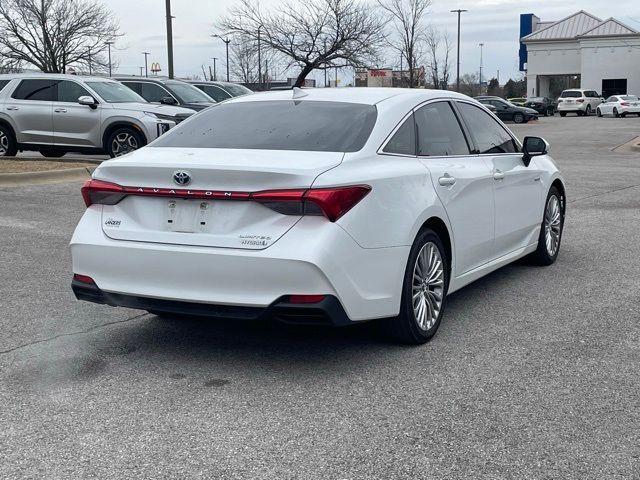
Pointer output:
109, 43
215, 76
498, 77
336, 67
90, 62
227, 41
146, 69
141, 68
481, 45
400, 70
259, 61
169, 37
325, 66
458, 11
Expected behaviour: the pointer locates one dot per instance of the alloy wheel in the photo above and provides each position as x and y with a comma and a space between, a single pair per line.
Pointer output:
428, 286
552, 225
123, 143
4, 144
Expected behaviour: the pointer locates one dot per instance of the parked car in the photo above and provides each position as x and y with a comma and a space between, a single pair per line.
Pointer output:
518, 101
578, 101
619, 106
348, 204
55, 114
543, 105
168, 92
507, 111
221, 91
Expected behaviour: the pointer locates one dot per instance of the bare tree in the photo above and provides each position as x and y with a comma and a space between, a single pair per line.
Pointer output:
407, 18
469, 84
438, 62
314, 34
52, 34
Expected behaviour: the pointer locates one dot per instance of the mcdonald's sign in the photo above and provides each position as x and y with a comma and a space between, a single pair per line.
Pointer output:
155, 67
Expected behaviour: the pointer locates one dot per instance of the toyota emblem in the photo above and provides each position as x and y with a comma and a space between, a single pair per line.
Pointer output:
181, 177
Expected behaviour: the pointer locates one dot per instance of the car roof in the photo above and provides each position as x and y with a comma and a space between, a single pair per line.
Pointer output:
61, 76
162, 80
364, 95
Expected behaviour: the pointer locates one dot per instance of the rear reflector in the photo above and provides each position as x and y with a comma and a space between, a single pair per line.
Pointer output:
83, 279
304, 299
333, 202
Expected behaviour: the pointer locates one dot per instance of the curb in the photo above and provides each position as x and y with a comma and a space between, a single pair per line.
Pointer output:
61, 159
51, 176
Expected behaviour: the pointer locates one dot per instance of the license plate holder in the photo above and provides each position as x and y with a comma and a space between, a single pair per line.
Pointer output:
188, 216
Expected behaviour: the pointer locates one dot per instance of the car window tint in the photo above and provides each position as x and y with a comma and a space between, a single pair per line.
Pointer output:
152, 92
438, 131
70, 91
3, 83
135, 86
302, 125
35, 90
404, 140
489, 135
214, 92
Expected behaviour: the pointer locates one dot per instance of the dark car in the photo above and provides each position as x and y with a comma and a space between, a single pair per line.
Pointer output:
221, 91
542, 105
507, 111
169, 92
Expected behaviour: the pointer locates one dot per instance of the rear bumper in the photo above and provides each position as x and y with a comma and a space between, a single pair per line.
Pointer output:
315, 257
328, 311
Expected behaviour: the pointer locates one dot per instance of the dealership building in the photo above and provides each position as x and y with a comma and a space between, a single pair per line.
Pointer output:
579, 51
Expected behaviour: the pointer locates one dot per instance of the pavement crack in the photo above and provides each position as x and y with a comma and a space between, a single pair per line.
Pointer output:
71, 334
603, 193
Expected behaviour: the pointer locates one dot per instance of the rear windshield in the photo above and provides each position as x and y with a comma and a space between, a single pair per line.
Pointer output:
303, 125
571, 94
632, 98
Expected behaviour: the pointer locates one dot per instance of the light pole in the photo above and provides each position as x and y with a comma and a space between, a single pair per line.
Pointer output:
215, 77
458, 11
481, 45
226, 41
90, 72
259, 60
169, 37
141, 68
146, 69
109, 43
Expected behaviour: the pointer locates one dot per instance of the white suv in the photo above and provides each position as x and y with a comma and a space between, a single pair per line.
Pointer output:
55, 114
580, 102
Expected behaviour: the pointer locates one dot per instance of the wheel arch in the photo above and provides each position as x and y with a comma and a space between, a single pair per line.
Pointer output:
7, 124
119, 124
440, 228
560, 186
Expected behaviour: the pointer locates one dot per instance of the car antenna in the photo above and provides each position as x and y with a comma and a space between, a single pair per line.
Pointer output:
299, 93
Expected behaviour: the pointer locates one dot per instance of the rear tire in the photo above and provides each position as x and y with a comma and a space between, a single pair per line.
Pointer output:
52, 153
588, 111
123, 140
563, 114
551, 229
8, 145
424, 291
598, 112
615, 112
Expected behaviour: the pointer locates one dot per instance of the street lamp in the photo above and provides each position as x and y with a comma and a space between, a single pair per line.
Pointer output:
481, 45
109, 43
458, 11
226, 42
146, 70
215, 77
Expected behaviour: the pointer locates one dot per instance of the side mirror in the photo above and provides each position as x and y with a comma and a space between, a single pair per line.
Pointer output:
169, 101
88, 101
533, 147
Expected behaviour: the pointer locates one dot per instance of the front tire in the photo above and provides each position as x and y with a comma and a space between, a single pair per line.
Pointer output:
550, 230
424, 291
588, 111
8, 146
123, 140
518, 118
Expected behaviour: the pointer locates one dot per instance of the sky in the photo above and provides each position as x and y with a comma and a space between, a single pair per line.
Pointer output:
495, 23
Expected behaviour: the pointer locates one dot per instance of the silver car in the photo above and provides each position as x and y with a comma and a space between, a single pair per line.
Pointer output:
55, 114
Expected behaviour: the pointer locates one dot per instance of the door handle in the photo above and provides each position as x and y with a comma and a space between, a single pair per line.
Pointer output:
498, 175
60, 110
13, 108
447, 180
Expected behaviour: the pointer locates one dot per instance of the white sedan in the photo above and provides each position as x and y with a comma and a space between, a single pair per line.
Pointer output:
319, 206
619, 106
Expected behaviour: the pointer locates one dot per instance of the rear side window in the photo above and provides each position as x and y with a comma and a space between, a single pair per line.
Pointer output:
3, 83
153, 93
488, 134
135, 86
43, 90
304, 125
70, 91
403, 141
214, 92
439, 132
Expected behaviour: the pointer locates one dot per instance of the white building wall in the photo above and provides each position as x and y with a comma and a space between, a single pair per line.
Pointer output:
559, 58
611, 59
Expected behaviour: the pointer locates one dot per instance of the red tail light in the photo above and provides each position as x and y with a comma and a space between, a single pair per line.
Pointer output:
580, 100
103, 193
624, 104
303, 299
333, 203
83, 279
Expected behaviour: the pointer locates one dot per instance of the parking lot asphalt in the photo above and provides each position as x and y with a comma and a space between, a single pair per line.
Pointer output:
534, 372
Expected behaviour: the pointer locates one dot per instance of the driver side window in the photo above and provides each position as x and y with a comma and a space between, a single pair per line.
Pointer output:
489, 135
